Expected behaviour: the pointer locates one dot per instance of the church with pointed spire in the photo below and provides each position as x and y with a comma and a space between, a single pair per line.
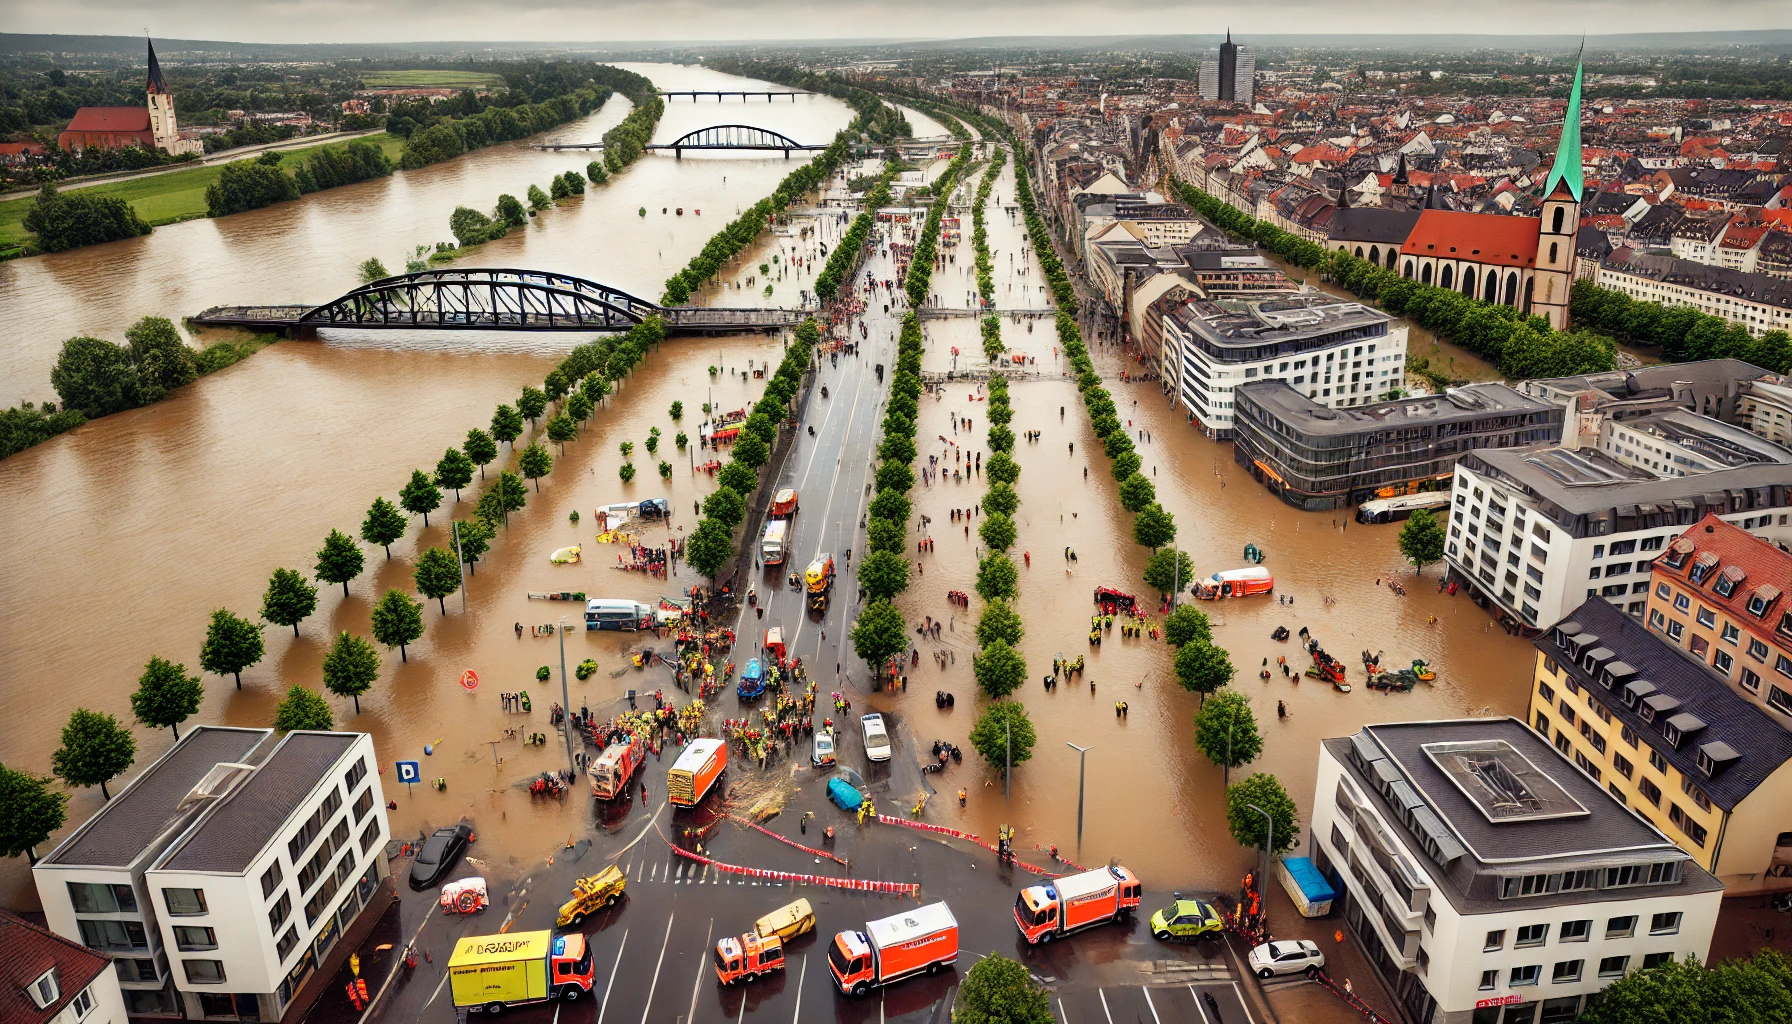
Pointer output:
1526, 262
151, 126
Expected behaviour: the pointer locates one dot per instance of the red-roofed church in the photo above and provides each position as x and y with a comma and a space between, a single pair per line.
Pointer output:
151, 126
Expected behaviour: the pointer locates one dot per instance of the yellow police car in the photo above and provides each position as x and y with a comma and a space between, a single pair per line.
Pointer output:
1186, 919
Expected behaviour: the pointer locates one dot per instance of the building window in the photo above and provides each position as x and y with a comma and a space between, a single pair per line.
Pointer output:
1706, 617
1667, 923
1731, 634
1495, 940
1613, 966
355, 774
117, 936
287, 941
135, 970
278, 913
1547, 692
1658, 762
1682, 821
1750, 681
1575, 931
1522, 976
204, 972
1676, 629
1489, 979
184, 902
1779, 700
1565, 971
193, 939
99, 898
82, 1004
1657, 959
1756, 649
1621, 765
1722, 661
1681, 602
363, 803
270, 879
1650, 791
313, 825
1531, 934
370, 835
46, 990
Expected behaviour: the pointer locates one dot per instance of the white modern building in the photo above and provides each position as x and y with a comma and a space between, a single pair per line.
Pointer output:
1489, 880
1756, 301
228, 871
47, 979
1338, 353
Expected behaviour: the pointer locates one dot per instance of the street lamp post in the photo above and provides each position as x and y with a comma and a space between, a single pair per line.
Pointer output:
1082, 765
566, 699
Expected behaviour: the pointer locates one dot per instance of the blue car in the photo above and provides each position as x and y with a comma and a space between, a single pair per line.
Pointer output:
844, 795
752, 681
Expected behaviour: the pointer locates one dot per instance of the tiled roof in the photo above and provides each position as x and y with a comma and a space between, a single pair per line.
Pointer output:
1760, 563
26, 952
110, 119
1477, 237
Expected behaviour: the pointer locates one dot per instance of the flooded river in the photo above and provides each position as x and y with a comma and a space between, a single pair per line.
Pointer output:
129, 531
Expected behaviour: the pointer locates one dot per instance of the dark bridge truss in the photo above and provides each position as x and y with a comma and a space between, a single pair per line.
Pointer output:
733, 136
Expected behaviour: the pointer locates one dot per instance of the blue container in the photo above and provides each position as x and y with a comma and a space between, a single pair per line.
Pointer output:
844, 795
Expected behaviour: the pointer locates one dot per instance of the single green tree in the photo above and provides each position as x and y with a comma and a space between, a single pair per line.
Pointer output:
879, 634
1001, 469
626, 471
1422, 540
339, 560
532, 404
420, 496
303, 709
1202, 668
665, 470
555, 385
489, 510
999, 990
1154, 527
1137, 492
1250, 829
371, 270
681, 439
579, 407
166, 695
1125, 465
383, 525
1752, 990
725, 506
997, 531
351, 666
1000, 498
677, 411
535, 462
999, 668
398, 620
437, 575
289, 599
883, 574
1187, 624
1169, 571
1225, 729
741, 479
994, 744
480, 448
512, 492
233, 644
454, 470
95, 750
751, 451
710, 546
1000, 622
653, 443
507, 424
885, 535
561, 429
474, 537
997, 577
30, 812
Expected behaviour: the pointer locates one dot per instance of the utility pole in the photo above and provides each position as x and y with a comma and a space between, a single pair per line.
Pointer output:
1269, 847
1007, 756
566, 699
454, 527
1082, 765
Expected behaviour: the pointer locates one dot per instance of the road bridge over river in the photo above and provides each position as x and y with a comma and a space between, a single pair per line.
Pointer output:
487, 299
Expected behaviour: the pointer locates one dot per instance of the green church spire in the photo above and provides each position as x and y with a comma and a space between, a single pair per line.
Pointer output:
1567, 168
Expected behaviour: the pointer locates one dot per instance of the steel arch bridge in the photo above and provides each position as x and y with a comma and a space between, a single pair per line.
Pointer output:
488, 299
733, 136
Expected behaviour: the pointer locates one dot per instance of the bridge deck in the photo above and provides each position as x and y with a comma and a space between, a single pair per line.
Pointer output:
679, 319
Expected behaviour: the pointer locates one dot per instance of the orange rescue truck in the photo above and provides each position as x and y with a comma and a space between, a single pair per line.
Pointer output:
1068, 904
615, 767
695, 771
921, 940
748, 957
784, 503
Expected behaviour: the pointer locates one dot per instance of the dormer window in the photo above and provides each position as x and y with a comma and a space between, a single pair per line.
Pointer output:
45, 990
1728, 580
1762, 599
1677, 554
1715, 756
1702, 567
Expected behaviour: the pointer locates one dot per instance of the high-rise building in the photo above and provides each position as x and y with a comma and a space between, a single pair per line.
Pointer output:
1231, 78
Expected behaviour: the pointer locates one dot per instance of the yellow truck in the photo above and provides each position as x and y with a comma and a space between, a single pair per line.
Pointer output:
786, 922
490, 973
591, 894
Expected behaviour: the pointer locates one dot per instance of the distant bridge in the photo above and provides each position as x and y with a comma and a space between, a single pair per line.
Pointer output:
484, 299
695, 94
733, 136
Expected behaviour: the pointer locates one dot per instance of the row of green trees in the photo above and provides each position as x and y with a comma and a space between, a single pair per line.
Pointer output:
64, 221
470, 227
920, 268
711, 544
844, 260
1681, 332
986, 282
1063, 292
252, 184
452, 137
879, 633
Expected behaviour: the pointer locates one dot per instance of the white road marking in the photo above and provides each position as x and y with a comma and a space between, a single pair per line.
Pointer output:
1152, 1005
393, 973
1104, 1005
801, 975
702, 964
613, 967
1196, 996
1061, 1014
1247, 1006
656, 968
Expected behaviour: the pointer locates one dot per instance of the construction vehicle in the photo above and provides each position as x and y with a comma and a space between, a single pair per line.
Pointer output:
490, 973
787, 922
922, 940
784, 504
615, 768
1074, 902
748, 957
591, 894
696, 771
819, 579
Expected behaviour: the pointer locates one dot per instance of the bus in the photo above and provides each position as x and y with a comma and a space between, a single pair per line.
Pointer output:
771, 549
602, 613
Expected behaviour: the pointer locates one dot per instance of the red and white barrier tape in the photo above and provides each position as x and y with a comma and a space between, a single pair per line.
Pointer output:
789, 842
854, 884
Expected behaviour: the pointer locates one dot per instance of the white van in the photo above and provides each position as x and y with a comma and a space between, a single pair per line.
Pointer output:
771, 549
601, 613
877, 739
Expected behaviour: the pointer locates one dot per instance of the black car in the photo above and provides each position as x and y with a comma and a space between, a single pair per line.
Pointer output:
438, 854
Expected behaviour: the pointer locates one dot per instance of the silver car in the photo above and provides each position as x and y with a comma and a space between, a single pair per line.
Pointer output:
1285, 957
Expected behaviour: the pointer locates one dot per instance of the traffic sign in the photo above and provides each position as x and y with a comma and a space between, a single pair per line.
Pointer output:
410, 771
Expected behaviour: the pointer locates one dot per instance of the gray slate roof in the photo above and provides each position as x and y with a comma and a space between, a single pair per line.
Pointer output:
243, 824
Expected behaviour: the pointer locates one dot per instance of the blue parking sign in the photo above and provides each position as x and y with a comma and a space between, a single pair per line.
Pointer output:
410, 771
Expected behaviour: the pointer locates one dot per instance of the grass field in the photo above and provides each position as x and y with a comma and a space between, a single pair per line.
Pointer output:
432, 79
165, 198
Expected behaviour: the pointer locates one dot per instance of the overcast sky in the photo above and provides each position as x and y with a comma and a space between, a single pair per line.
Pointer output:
366, 21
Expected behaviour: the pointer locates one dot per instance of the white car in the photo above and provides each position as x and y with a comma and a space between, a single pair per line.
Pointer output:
1273, 958
877, 739
824, 750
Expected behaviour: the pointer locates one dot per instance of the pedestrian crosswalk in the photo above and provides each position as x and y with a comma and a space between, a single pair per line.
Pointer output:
684, 872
